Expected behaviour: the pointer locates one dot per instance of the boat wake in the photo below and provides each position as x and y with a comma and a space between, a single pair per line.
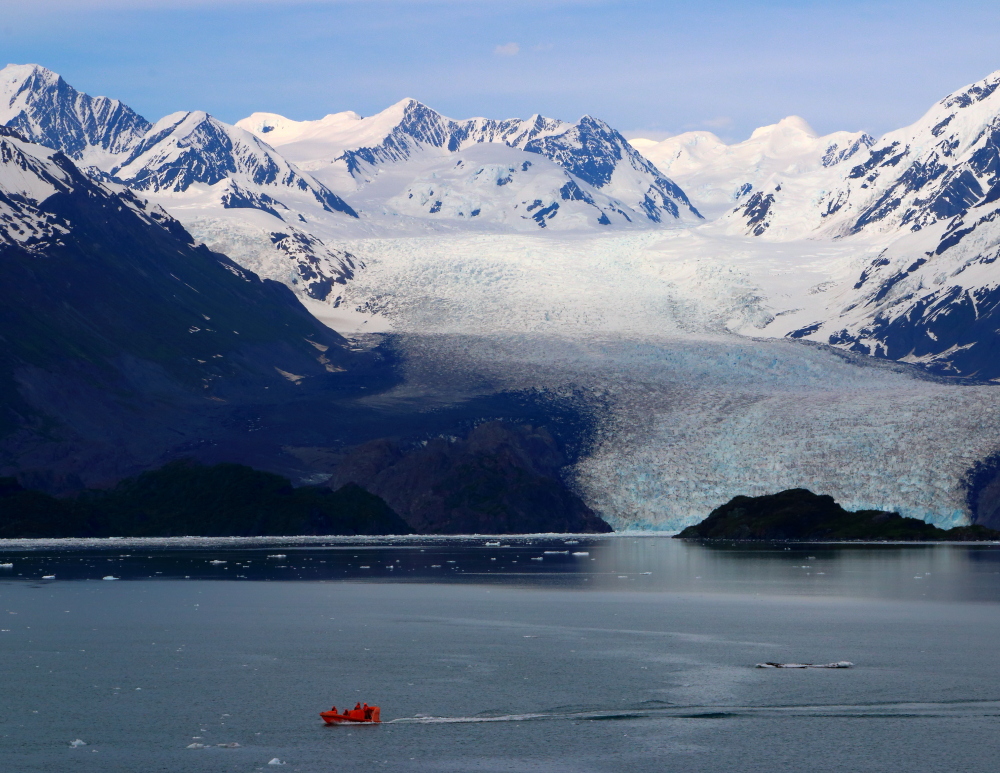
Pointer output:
888, 710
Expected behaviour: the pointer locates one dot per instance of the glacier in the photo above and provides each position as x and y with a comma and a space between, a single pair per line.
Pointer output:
687, 413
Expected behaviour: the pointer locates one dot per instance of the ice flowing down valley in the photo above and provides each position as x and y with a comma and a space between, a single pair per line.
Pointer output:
639, 327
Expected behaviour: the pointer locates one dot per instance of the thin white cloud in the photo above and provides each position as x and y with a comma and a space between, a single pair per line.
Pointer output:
507, 49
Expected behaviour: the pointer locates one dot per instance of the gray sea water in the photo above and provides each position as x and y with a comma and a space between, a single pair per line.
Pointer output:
637, 656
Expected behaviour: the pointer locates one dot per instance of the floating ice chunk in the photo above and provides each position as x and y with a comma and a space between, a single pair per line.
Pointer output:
581, 553
364, 567
571, 542
538, 558
492, 544
276, 761
195, 746
6, 566
435, 566
278, 555
109, 577
838, 664
48, 576
554, 552
77, 743
218, 562
232, 745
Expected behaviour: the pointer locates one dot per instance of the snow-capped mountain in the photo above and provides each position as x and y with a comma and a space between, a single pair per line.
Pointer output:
716, 176
33, 174
202, 170
187, 149
928, 197
47, 110
405, 141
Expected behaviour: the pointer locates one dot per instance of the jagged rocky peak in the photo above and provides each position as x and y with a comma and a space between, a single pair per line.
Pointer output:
47, 110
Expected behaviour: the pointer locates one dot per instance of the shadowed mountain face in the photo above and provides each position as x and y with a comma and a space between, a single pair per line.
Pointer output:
499, 479
120, 337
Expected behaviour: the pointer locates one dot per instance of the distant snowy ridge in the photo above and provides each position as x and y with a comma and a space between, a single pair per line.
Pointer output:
934, 169
717, 176
349, 152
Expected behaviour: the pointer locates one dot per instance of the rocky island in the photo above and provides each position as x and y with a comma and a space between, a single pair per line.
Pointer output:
800, 515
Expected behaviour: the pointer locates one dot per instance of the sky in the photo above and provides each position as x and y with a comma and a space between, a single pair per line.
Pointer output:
650, 69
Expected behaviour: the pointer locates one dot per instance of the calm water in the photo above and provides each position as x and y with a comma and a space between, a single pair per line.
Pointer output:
637, 656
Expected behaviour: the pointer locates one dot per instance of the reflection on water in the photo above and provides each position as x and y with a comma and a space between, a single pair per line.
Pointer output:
968, 572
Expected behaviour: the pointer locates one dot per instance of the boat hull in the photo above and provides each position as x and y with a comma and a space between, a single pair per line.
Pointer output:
355, 716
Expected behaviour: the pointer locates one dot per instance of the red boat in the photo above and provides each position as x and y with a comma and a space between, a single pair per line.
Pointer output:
360, 713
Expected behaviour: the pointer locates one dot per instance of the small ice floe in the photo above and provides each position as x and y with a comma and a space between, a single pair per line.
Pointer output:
838, 664
492, 544
435, 566
109, 577
195, 746
6, 566
581, 553
539, 558
571, 542
276, 761
645, 572
278, 555
217, 561
48, 576
364, 567
554, 552
233, 745
77, 744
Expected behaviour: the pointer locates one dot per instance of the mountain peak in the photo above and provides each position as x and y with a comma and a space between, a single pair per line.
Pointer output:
47, 110
790, 124
18, 73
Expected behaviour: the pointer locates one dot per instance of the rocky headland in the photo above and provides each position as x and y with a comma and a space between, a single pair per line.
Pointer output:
800, 515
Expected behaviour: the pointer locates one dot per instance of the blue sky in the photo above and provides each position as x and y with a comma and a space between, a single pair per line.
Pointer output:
651, 68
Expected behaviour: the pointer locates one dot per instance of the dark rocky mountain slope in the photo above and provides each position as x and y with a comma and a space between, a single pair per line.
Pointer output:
499, 479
